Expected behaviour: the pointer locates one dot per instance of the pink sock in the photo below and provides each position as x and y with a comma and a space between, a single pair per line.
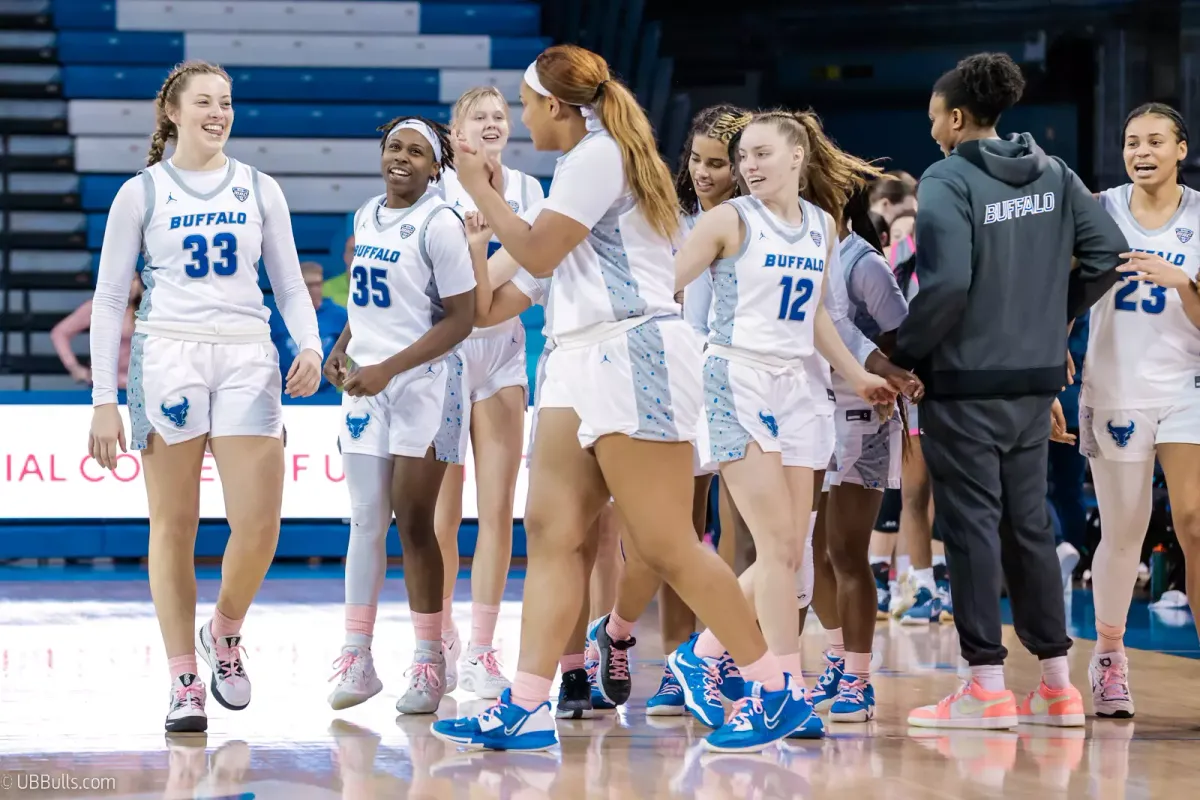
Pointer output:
708, 646
1109, 638
530, 691
182, 665
447, 618
618, 629
990, 677
765, 671
224, 626
428, 626
1056, 672
790, 664
859, 665
483, 624
837, 645
568, 663
361, 619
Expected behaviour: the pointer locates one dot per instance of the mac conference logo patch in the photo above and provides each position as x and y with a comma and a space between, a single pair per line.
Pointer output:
1184, 234
816, 237
241, 193
407, 231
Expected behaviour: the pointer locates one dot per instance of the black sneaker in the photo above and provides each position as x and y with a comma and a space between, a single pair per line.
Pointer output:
615, 678
574, 696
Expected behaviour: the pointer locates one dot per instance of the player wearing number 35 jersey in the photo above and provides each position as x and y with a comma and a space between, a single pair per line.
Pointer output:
203, 371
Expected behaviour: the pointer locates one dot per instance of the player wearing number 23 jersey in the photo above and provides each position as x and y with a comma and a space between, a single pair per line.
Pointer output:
765, 303
1141, 384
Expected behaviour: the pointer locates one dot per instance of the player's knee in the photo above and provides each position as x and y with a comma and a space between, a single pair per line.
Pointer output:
550, 531
1187, 524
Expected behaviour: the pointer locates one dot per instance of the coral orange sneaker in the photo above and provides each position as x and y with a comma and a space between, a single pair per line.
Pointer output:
1061, 708
971, 706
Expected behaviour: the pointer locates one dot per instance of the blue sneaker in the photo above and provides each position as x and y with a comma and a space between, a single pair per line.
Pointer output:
826, 688
941, 576
503, 726
668, 700
883, 590
615, 681
733, 686
926, 608
762, 718
700, 679
855, 701
811, 728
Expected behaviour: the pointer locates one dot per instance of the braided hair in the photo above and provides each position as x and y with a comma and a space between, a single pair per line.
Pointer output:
723, 123
168, 97
1171, 115
439, 130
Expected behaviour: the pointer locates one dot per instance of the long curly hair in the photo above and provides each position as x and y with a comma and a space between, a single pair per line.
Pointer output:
723, 123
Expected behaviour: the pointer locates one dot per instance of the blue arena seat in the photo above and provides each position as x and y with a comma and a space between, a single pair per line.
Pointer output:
97, 47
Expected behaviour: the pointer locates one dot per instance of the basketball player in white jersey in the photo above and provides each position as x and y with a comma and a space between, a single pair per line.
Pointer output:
203, 371
1141, 385
411, 302
866, 462
620, 398
493, 403
770, 252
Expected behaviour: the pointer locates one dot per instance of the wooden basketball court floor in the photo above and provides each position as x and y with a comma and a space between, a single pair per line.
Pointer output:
83, 691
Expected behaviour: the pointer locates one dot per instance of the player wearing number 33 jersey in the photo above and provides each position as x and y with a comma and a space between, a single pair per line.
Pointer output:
1141, 384
202, 361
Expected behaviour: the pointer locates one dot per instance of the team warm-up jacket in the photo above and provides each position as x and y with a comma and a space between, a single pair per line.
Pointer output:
997, 224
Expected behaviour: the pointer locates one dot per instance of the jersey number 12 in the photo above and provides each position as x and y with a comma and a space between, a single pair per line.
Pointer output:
791, 305
199, 265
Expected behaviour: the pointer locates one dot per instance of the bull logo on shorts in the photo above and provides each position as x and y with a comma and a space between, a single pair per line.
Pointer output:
1121, 435
356, 425
176, 413
1184, 234
768, 421
241, 193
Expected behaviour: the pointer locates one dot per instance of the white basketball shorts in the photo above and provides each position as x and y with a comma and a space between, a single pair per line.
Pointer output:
494, 361
868, 452
1133, 434
402, 420
642, 383
181, 390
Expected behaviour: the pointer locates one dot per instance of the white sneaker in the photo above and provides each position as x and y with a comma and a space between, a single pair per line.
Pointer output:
452, 649
481, 674
1109, 675
427, 687
231, 684
185, 714
357, 680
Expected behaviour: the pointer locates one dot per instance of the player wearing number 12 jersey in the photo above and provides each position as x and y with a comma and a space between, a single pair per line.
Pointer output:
202, 368
1141, 385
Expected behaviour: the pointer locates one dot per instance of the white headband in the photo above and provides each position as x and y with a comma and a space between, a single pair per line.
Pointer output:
424, 130
589, 113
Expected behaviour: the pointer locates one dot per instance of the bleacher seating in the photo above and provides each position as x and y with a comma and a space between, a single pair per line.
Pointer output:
313, 79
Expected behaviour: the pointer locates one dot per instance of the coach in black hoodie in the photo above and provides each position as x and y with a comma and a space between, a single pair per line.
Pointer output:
998, 222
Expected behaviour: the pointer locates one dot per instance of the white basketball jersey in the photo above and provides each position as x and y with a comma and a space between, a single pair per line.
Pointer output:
697, 295
520, 191
202, 252
394, 297
765, 296
1143, 351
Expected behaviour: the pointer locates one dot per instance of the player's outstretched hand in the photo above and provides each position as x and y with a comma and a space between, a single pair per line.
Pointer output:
304, 378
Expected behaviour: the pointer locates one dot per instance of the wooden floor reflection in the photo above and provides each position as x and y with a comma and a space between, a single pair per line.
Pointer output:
83, 691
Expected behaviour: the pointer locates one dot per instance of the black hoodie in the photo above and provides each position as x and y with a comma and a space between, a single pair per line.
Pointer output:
997, 224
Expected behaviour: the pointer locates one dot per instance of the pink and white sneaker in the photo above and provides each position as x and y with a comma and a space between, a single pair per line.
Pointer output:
1109, 674
185, 714
480, 673
357, 681
224, 654
1059, 708
971, 706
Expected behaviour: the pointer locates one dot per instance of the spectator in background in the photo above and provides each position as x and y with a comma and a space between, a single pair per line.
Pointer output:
331, 321
1067, 465
894, 194
902, 226
79, 321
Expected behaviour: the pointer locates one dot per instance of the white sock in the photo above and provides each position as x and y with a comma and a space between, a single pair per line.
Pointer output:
359, 640
924, 577
939, 561
990, 677
880, 560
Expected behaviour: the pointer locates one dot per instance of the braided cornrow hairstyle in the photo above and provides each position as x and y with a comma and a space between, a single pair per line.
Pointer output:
1172, 116
439, 130
168, 97
724, 123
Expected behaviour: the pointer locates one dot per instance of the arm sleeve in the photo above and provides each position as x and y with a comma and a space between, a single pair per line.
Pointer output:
944, 237
589, 184
127, 217
872, 281
1098, 247
283, 266
837, 303
444, 246
536, 289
